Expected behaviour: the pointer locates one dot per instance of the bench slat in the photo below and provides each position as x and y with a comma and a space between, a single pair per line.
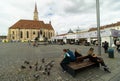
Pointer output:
83, 64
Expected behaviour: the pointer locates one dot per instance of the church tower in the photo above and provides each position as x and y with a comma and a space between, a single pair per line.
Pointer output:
35, 13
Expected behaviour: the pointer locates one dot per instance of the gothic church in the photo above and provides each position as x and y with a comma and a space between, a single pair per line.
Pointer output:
25, 30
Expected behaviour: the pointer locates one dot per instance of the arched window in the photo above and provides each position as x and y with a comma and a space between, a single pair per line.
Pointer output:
21, 34
33, 32
44, 35
13, 32
27, 34
38, 34
49, 35
13, 37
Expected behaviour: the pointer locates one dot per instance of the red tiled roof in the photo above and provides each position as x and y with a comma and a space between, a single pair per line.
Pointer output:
106, 26
31, 24
48, 26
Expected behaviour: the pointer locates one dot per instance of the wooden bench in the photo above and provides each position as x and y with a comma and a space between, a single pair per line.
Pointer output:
80, 64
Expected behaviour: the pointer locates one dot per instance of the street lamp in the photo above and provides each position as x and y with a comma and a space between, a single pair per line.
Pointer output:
98, 26
77, 35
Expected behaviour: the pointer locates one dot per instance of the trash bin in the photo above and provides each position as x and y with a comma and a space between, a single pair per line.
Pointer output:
111, 53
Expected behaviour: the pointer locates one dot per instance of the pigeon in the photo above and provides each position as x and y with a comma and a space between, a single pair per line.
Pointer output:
26, 62
36, 76
30, 67
48, 73
36, 64
45, 68
40, 68
51, 63
23, 67
44, 73
43, 60
49, 67
36, 68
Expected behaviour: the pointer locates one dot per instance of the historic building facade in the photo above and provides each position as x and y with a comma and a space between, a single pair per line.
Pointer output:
29, 29
108, 33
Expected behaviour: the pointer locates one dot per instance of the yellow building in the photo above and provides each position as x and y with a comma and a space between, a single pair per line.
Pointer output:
25, 30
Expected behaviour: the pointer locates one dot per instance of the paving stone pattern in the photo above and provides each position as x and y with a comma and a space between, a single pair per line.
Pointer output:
13, 56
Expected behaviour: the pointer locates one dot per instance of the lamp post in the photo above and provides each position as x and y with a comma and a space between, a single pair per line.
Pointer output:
98, 26
77, 36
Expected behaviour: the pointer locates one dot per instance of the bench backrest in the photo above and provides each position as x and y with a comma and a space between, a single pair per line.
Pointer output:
81, 62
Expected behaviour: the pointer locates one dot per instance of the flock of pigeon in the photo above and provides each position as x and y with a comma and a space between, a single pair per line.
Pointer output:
44, 68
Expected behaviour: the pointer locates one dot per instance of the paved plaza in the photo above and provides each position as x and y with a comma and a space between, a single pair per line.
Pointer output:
13, 55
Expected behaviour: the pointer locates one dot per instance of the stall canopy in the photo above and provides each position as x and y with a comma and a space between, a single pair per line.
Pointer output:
115, 33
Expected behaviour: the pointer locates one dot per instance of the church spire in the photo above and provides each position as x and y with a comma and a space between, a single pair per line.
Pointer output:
35, 13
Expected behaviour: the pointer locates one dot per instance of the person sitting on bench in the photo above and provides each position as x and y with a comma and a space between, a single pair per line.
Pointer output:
94, 58
65, 61
77, 54
72, 55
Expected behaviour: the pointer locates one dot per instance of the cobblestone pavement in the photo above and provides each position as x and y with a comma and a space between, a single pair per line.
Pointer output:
13, 55
115, 77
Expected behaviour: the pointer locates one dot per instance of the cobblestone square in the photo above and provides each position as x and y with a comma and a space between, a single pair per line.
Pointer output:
13, 55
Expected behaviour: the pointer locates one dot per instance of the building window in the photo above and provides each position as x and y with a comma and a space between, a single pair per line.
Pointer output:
13, 37
44, 34
38, 34
21, 34
27, 34
13, 32
34, 33
49, 35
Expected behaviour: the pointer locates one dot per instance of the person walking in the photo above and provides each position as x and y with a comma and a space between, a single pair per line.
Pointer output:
118, 44
106, 45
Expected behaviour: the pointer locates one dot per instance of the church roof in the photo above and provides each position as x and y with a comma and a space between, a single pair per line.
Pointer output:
31, 24
36, 8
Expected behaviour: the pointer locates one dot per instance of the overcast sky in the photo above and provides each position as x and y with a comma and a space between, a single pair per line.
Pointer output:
64, 14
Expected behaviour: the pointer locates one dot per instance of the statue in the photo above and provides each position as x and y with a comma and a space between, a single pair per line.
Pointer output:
41, 36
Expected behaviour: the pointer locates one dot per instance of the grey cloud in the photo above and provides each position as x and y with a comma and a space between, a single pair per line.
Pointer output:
50, 9
80, 6
86, 6
109, 11
64, 14
110, 5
